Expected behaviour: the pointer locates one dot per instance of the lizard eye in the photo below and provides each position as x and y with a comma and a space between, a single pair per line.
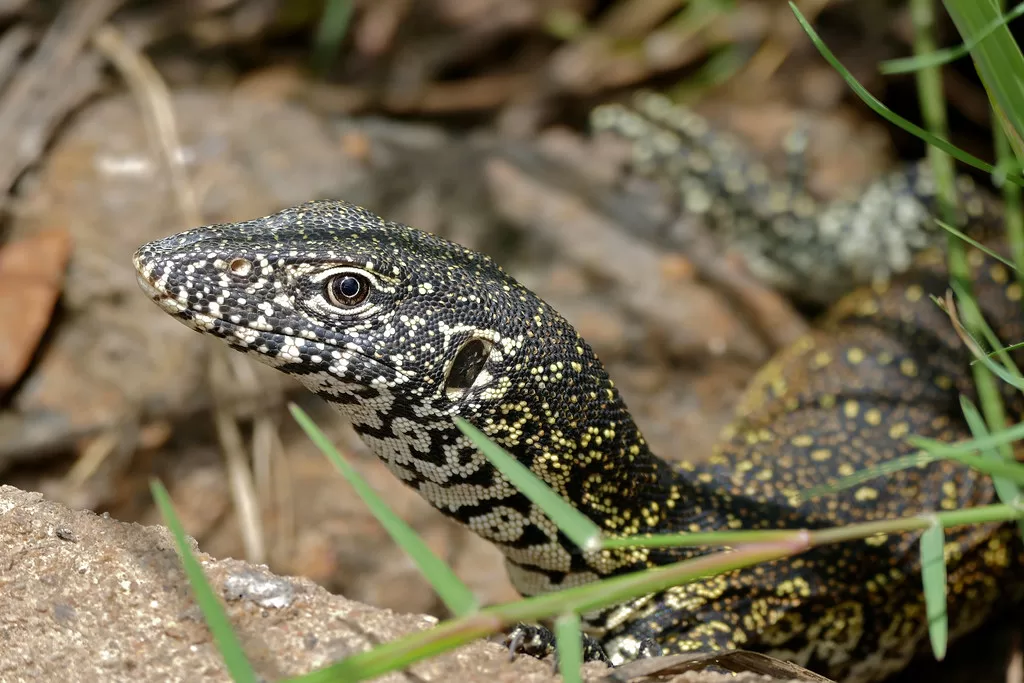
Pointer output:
346, 290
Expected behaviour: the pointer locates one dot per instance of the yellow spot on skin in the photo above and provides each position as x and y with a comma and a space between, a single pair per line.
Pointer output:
867, 308
802, 440
914, 293
899, 430
821, 454
779, 386
996, 554
865, 493
851, 409
804, 344
1013, 291
908, 367
944, 382
998, 273
873, 417
821, 359
854, 355
794, 586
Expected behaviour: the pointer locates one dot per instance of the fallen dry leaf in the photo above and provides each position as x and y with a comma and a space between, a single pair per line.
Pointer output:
31, 278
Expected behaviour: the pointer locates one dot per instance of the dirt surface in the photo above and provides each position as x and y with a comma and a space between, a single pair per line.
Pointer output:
88, 598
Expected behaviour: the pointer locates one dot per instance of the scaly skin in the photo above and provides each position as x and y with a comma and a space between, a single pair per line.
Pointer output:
813, 250
443, 331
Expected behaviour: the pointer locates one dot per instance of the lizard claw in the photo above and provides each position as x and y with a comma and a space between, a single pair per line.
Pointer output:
648, 648
528, 639
539, 642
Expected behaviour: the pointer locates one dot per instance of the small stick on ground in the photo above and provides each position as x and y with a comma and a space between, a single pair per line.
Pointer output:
59, 75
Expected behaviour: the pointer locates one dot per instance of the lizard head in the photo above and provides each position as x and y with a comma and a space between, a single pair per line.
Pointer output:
402, 330
355, 307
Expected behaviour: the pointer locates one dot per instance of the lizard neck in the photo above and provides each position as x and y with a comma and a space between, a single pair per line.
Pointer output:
591, 453
546, 398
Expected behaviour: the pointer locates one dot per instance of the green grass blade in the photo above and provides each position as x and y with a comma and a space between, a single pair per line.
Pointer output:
994, 439
1016, 346
992, 339
997, 57
1006, 369
950, 54
564, 23
978, 245
933, 578
227, 642
1013, 217
1001, 352
330, 32
727, 538
899, 464
1016, 381
933, 113
447, 635
721, 65
1011, 376
933, 110
983, 514
1007, 490
573, 523
569, 641
401, 653
455, 595
1011, 470
887, 113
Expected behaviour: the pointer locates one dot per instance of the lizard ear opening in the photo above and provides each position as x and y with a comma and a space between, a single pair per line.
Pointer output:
469, 361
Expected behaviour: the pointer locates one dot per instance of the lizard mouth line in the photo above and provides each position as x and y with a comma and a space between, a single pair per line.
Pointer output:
193, 319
